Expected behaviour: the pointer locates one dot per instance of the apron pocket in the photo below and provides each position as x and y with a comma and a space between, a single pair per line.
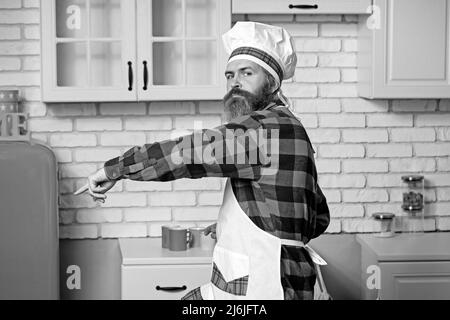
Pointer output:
230, 271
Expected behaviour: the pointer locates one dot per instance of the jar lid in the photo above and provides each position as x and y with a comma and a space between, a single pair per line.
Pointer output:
406, 207
412, 178
383, 215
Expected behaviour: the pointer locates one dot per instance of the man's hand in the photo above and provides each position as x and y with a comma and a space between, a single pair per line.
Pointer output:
98, 184
211, 229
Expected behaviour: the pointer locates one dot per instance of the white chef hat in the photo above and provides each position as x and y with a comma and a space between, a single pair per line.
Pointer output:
271, 47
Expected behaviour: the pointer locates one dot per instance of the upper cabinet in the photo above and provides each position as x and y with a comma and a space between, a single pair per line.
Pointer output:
303, 6
181, 41
129, 50
88, 49
404, 50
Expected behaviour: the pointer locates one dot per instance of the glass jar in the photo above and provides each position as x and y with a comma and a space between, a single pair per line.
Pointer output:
413, 202
386, 221
9, 103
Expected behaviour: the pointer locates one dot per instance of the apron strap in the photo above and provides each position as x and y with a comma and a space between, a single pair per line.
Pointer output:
316, 258
289, 242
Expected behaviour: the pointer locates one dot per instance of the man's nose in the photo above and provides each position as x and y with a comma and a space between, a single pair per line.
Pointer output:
235, 83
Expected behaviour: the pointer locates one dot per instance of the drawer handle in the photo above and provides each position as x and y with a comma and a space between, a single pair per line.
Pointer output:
303, 6
171, 288
145, 75
130, 76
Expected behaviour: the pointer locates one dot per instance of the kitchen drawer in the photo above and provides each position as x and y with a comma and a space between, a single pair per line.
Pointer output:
405, 267
428, 280
139, 282
283, 7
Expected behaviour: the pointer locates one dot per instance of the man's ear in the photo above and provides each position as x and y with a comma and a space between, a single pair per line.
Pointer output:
274, 88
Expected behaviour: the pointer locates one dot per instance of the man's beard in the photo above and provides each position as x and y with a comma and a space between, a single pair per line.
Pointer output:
240, 102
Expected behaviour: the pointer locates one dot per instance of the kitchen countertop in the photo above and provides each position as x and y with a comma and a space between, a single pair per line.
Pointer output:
408, 246
402, 247
145, 251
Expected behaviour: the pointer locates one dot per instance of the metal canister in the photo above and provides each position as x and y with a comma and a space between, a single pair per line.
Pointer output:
195, 237
178, 238
165, 239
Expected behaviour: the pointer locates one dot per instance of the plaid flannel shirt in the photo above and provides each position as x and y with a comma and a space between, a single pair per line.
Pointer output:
288, 204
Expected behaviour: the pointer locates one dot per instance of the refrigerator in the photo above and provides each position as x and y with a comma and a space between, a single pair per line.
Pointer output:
29, 245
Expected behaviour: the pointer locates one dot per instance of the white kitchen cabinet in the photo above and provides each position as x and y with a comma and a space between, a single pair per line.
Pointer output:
403, 50
149, 272
87, 46
301, 7
405, 267
133, 50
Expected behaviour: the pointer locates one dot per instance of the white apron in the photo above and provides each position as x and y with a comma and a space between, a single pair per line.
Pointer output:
244, 250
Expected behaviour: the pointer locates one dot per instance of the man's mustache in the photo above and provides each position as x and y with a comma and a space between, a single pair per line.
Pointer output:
239, 92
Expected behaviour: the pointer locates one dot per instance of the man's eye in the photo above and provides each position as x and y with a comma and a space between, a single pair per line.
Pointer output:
228, 76
247, 74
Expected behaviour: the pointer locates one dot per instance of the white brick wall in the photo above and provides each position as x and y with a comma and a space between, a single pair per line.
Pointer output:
317, 106
346, 210
342, 121
341, 151
148, 123
363, 147
174, 198
147, 214
122, 139
115, 109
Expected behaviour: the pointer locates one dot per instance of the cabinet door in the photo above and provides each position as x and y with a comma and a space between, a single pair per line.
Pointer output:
180, 50
88, 50
154, 282
313, 6
415, 280
408, 55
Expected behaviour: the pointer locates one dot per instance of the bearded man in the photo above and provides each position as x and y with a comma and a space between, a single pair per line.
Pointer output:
272, 205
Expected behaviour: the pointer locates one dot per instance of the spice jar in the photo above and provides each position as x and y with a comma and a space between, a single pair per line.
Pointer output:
9, 103
386, 221
413, 202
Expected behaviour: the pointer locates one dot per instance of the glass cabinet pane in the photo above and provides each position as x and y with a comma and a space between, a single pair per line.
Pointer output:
167, 22
71, 64
201, 62
105, 18
86, 48
167, 63
201, 18
106, 68
71, 19
181, 42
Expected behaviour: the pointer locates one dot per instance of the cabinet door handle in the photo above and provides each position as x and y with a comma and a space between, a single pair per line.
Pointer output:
130, 76
303, 6
171, 288
145, 75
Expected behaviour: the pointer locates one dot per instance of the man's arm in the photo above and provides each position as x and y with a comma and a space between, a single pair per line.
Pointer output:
323, 214
224, 151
